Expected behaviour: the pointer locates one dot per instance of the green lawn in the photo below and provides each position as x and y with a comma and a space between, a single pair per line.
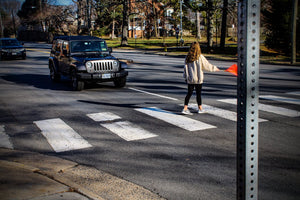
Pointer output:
168, 45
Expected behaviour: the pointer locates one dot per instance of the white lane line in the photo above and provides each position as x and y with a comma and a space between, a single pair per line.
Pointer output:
294, 93
177, 120
153, 94
60, 136
103, 116
269, 108
281, 99
226, 114
4, 139
128, 131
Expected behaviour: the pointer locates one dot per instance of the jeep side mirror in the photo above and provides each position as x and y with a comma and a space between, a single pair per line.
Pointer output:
110, 50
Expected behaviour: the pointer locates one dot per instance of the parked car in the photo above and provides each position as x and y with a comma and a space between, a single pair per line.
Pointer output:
11, 48
85, 59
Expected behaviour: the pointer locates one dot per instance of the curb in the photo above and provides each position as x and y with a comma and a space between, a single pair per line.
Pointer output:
84, 180
73, 186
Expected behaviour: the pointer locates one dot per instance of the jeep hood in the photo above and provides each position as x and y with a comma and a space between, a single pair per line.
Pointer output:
85, 58
12, 47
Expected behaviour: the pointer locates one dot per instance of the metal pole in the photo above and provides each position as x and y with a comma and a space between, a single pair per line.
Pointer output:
181, 40
247, 95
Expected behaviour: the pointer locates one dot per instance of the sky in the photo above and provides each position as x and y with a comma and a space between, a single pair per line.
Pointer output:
57, 2
63, 2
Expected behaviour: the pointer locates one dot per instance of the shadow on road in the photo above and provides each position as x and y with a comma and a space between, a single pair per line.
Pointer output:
44, 82
38, 81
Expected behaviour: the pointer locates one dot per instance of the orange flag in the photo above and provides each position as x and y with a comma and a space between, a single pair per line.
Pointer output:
233, 69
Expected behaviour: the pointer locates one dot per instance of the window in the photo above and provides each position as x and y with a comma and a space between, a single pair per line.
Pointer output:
57, 45
88, 46
65, 47
10, 43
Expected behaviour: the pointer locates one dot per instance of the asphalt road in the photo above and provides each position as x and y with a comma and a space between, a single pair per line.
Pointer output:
169, 159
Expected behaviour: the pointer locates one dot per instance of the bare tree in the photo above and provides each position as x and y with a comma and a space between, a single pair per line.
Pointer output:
224, 23
294, 31
9, 18
124, 40
209, 24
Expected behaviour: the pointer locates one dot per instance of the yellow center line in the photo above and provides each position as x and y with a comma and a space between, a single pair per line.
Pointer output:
38, 50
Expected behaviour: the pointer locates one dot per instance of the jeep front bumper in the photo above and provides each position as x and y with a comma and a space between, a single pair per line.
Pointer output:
102, 76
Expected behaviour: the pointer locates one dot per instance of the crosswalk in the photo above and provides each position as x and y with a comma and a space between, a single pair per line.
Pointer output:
4, 139
282, 99
63, 137
219, 112
269, 108
123, 129
177, 120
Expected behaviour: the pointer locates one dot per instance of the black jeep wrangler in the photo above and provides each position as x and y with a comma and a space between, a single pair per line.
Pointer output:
85, 59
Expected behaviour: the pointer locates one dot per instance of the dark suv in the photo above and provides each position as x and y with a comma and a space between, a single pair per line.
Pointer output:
11, 48
85, 59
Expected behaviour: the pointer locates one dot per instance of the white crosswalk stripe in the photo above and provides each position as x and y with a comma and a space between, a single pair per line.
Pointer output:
177, 120
60, 136
103, 116
281, 99
226, 114
4, 139
269, 108
128, 131
123, 129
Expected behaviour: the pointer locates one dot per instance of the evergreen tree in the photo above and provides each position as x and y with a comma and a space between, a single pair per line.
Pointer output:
276, 18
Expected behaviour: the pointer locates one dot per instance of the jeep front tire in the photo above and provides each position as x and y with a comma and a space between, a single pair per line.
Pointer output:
120, 82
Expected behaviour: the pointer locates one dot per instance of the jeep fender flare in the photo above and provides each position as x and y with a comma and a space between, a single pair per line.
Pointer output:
54, 63
73, 67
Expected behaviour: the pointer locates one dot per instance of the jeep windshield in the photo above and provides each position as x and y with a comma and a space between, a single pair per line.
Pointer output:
88, 46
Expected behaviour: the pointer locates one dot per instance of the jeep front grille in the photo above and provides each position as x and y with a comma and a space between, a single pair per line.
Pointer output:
102, 66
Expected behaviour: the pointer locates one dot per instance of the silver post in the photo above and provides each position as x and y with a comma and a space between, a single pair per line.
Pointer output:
247, 95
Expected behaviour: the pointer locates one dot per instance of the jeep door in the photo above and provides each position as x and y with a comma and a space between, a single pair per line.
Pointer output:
65, 58
58, 55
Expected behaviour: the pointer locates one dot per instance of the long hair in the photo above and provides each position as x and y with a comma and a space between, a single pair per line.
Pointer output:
194, 53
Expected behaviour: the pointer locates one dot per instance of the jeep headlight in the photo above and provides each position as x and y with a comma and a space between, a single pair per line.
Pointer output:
89, 66
115, 63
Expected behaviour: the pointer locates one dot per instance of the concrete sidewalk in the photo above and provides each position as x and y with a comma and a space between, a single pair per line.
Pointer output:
34, 176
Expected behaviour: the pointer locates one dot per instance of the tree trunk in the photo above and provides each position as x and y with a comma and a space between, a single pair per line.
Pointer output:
79, 15
113, 26
124, 41
224, 23
294, 30
154, 19
198, 25
209, 25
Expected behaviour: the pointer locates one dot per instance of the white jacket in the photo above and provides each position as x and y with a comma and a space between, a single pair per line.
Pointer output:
193, 72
